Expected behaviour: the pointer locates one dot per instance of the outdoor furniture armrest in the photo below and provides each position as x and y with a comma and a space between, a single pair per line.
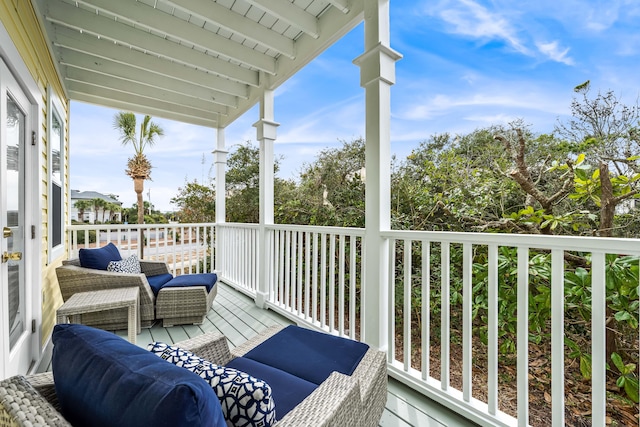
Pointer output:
154, 268
210, 346
336, 402
22, 405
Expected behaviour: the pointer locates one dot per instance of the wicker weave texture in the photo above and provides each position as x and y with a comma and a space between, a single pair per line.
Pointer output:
183, 305
338, 401
83, 303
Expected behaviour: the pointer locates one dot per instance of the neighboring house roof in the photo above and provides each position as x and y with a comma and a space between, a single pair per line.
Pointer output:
89, 195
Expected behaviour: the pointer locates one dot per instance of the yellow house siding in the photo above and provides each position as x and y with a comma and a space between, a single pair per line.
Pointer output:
20, 21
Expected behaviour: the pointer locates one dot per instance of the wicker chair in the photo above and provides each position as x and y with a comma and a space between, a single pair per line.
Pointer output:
341, 400
173, 306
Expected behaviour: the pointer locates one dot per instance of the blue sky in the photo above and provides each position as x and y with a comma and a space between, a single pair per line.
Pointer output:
467, 64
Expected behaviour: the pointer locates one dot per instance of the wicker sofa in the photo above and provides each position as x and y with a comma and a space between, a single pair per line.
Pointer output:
173, 305
340, 400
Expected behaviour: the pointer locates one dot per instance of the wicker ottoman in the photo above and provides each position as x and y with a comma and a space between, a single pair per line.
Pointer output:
186, 299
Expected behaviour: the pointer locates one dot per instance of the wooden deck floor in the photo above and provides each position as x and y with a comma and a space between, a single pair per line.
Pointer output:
237, 317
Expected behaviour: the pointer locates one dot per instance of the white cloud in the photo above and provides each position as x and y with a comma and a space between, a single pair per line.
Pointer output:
470, 18
554, 52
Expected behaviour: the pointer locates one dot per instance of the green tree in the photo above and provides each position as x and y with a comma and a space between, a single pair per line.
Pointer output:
82, 205
196, 203
138, 166
606, 131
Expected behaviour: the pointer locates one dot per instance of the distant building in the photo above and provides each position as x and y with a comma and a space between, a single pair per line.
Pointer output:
92, 213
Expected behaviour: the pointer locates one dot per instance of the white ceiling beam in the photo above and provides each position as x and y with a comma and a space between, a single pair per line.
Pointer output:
342, 5
71, 39
240, 25
289, 13
142, 109
83, 61
139, 89
75, 17
116, 95
154, 19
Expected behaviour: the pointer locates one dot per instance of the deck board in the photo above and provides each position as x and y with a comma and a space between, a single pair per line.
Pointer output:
236, 316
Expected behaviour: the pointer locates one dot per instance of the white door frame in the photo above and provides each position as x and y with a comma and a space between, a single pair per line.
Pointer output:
32, 206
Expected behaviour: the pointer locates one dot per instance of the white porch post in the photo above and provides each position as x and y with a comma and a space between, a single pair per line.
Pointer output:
377, 75
220, 161
266, 134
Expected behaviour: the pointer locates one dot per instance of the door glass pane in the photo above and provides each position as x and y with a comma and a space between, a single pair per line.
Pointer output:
14, 220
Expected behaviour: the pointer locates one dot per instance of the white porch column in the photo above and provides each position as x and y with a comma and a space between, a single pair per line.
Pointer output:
377, 75
220, 161
266, 134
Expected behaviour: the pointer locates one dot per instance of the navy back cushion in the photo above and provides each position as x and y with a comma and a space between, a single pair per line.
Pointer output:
308, 354
99, 258
102, 380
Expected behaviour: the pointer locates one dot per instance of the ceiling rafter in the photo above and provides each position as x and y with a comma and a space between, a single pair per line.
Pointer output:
237, 24
296, 17
71, 39
139, 89
156, 20
101, 26
83, 61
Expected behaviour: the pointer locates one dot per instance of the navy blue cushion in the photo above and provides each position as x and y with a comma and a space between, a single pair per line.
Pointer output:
308, 354
287, 390
103, 380
99, 258
157, 281
203, 279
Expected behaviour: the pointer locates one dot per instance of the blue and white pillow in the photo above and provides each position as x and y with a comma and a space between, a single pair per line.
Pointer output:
127, 265
245, 400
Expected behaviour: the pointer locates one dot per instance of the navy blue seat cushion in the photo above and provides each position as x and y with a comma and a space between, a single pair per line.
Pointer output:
103, 380
156, 282
99, 258
308, 354
287, 390
202, 279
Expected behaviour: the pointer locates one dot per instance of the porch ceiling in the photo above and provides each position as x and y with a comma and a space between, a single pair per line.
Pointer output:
204, 62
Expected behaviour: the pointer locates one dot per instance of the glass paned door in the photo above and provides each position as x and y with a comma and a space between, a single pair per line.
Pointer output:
16, 299
13, 230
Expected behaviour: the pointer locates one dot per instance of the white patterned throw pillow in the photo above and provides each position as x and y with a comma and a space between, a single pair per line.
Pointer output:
245, 400
127, 265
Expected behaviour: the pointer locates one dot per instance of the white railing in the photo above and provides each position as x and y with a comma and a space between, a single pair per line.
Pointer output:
184, 247
422, 263
314, 275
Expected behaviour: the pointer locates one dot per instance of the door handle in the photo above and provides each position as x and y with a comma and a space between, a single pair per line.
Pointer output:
6, 232
13, 256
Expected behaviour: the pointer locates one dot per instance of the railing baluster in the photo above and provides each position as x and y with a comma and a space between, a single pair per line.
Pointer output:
300, 308
523, 337
598, 339
557, 337
323, 281
341, 272
391, 354
467, 335
307, 274
492, 360
352, 287
314, 283
332, 282
406, 307
445, 316
426, 308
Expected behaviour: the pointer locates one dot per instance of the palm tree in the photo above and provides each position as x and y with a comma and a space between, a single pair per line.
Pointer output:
138, 166
82, 205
